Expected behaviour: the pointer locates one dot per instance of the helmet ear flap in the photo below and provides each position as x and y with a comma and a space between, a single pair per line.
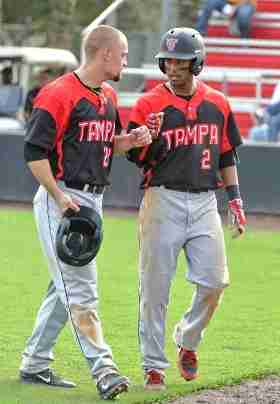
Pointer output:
161, 64
196, 66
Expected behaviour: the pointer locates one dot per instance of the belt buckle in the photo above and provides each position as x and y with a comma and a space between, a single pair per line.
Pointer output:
86, 187
98, 189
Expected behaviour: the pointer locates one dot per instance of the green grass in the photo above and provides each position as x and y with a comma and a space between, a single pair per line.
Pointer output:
241, 342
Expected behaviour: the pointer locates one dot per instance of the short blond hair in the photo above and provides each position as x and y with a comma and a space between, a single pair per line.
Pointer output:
100, 37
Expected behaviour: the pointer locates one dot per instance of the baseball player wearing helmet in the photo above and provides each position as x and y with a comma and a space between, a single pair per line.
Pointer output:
69, 147
192, 154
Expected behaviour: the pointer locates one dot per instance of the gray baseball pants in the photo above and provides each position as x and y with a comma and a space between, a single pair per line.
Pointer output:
72, 294
170, 221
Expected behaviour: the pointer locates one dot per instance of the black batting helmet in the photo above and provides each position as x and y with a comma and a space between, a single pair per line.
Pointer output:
185, 44
79, 236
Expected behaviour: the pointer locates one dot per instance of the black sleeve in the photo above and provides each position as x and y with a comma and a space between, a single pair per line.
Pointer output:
228, 159
41, 129
28, 106
118, 124
234, 136
33, 152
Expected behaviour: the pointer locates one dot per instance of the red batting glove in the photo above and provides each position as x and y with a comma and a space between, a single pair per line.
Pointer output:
237, 216
154, 122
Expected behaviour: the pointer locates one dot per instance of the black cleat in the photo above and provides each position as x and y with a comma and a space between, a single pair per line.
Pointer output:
46, 377
111, 385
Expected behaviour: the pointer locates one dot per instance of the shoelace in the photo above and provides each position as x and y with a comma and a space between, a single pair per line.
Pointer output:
53, 377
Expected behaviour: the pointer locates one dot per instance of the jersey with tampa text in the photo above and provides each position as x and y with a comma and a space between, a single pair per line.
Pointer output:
77, 127
195, 133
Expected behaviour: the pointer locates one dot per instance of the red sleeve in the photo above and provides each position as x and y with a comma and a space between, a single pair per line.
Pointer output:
139, 112
231, 137
53, 103
138, 118
48, 120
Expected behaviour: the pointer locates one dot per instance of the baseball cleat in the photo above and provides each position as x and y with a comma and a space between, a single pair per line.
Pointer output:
187, 364
111, 385
154, 380
46, 377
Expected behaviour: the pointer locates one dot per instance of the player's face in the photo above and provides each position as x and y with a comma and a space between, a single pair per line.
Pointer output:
118, 61
178, 72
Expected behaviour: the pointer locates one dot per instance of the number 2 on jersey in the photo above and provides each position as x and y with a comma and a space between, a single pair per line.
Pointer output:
107, 156
205, 161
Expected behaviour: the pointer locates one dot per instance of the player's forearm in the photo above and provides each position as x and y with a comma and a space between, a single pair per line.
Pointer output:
42, 172
229, 176
137, 137
230, 179
123, 143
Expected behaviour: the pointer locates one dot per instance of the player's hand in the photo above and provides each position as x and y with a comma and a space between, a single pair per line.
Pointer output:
237, 217
65, 202
140, 137
154, 123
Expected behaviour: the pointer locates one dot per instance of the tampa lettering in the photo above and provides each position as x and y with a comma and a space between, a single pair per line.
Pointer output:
185, 136
97, 131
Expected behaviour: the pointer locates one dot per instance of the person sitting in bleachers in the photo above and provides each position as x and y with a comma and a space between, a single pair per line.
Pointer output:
239, 12
267, 121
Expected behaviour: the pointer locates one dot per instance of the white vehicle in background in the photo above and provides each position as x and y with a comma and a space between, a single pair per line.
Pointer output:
25, 63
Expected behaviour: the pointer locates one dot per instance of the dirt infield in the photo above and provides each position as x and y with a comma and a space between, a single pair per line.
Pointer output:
265, 391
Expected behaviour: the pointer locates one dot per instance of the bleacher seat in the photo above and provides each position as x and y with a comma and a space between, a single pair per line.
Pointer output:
246, 70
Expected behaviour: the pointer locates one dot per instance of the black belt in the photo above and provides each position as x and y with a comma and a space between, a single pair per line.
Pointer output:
185, 189
92, 188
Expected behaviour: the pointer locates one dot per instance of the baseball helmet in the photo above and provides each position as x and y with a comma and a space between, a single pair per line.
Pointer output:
79, 236
185, 44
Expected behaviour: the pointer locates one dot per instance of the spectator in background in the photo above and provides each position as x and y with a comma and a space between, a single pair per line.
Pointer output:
10, 94
7, 76
267, 120
44, 76
240, 14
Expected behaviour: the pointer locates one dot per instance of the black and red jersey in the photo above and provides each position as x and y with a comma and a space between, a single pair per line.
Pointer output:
77, 127
194, 136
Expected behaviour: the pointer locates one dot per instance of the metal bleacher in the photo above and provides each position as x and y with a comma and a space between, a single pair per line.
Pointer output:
251, 67
246, 70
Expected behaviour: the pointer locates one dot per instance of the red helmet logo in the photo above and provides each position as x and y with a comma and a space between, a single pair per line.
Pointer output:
171, 43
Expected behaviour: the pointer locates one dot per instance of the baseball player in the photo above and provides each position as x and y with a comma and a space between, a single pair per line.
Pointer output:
192, 154
69, 147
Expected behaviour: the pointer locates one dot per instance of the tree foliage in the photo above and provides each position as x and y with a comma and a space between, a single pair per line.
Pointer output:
59, 22
187, 12
141, 15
